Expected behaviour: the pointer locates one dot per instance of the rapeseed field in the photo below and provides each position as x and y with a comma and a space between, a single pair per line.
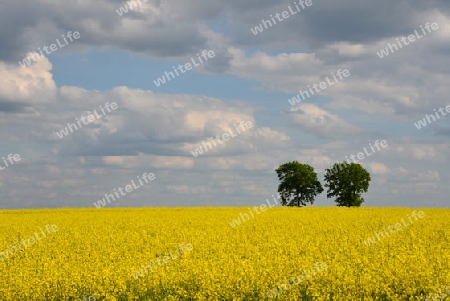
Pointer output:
313, 253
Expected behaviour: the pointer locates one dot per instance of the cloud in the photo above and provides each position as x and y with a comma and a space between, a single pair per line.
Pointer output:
155, 132
309, 118
21, 86
378, 168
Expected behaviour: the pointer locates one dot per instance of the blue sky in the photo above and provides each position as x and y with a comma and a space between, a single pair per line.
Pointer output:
250, 78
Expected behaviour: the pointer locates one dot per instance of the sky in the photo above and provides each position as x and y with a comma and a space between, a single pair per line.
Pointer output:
99, 65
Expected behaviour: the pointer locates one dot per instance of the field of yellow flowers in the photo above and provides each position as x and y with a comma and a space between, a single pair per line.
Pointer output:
314, 253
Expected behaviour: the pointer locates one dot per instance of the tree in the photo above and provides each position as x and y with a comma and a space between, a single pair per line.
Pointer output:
347, 182
298, 184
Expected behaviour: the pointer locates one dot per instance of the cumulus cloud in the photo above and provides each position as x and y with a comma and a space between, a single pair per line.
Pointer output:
156, 132
378, 168
26, 85
309, 118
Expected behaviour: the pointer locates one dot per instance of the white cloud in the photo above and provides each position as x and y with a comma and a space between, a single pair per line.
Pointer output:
311, 119
32, 84
378, 168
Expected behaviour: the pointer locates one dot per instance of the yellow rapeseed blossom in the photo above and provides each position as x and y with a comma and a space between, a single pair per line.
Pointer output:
142, 254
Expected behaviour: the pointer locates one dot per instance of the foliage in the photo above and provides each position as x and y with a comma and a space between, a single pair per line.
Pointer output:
298, 184
347, 182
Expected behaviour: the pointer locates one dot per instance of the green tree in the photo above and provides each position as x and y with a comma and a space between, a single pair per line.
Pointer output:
347, 182
298, 184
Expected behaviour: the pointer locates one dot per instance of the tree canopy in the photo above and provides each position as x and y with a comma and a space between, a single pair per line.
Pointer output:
298, 184
347, 182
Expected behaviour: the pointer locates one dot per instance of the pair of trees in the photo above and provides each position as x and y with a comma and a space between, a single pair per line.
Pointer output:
299, 184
